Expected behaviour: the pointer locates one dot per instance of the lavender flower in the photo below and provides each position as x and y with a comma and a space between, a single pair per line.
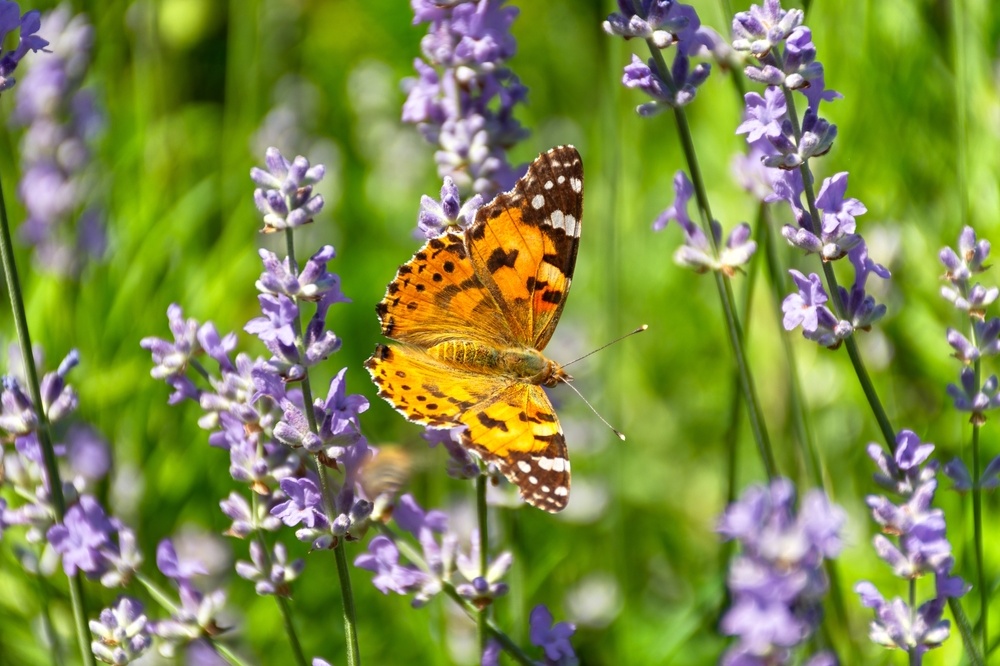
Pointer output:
461, 464
434, 218
122, 632
27, 25
285, 195
553, 639
971, 299
777, 582
251, 409
662, 23
697, 253
271, 575
464, 96
920, 547
438, 562
807, 308
59, 188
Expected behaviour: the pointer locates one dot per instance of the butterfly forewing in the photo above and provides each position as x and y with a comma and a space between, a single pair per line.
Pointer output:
436, 294
529, 271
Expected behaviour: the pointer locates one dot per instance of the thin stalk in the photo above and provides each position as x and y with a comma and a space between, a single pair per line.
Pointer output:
482, 616
722, 283
509, 646
44, 434
51, 638
977, 523
343, 572
965, 629
833, 290
350, 616
914, 651
283, 607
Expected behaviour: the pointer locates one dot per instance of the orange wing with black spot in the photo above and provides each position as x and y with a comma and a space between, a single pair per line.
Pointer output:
524, 243
501, 284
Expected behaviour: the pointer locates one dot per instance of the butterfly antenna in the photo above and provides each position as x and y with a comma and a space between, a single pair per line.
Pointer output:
605, 346
598, 414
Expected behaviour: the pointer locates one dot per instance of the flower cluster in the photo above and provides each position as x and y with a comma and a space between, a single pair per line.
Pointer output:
284, 195
463, 97
434, 218
27, 39
439, 562
697, 252
88, 540
777, 581
972, 299
920, 546
663, 24
64, 220
784, 59
252, 409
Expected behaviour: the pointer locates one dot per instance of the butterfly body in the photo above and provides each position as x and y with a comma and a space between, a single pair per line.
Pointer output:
469, 315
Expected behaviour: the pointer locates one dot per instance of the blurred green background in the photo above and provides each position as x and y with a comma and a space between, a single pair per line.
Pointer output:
194, 90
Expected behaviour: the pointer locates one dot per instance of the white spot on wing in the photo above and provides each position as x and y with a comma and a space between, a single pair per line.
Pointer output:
562, 491
544, 463
576, 184
537, 201
561, 179
549, 184
523, 466
533, 480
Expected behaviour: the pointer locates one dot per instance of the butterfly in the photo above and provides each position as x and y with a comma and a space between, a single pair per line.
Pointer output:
470, 314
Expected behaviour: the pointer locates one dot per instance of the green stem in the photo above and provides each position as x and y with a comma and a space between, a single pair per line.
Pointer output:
283, 607
509, 646
482, 616
965, 629
833, 290
977, 523
43, 431
722, 283
350, 617
914, 651
343, 572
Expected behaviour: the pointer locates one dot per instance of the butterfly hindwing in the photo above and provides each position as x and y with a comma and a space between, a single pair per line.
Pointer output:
523, 244
519, 431
426, 390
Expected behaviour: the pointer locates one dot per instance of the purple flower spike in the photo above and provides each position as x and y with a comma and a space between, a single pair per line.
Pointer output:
663, 23
554, 639
28, 40
434, 218
921, 547
807, 309
304, 504
285, 193
464, 96
975, 399
82, 538
383, 558
763, 115
122, 632
171, 566
777, 582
